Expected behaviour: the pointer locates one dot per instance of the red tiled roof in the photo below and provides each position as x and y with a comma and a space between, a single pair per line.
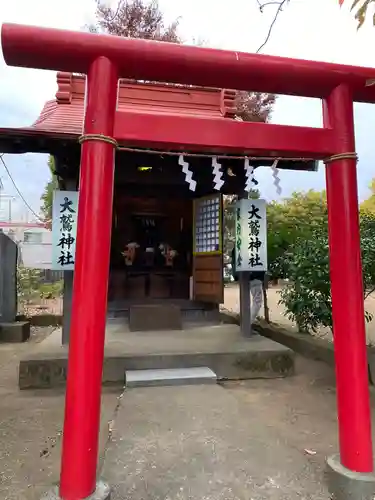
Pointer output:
65, 113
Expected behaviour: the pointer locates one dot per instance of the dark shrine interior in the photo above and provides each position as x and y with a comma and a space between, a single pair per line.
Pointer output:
152, 231
152, 234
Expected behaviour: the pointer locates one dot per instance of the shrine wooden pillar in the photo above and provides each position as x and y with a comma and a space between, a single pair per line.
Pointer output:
353, 404
89, 304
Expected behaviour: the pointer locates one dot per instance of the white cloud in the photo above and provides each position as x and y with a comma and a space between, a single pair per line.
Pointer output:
307, 29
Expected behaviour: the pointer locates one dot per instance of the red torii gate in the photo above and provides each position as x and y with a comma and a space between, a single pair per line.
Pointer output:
105, 59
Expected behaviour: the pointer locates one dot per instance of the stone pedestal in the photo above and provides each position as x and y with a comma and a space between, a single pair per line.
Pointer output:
102, 492
344, 484
19, 331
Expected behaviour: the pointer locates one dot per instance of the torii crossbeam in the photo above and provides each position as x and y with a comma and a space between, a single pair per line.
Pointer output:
105, 59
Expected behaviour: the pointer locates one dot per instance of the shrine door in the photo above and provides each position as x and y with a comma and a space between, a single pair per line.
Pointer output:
208, 282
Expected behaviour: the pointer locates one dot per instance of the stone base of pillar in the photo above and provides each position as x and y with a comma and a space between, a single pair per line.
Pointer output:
102, 492
344, 484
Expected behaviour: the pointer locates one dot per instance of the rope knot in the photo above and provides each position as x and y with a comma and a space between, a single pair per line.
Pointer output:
341, 156
98, 137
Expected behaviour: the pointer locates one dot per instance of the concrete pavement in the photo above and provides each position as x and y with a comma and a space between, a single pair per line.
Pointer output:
239, 441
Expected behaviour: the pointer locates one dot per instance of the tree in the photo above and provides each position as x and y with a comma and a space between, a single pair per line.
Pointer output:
289, 220
307, 297
361, 7
369, 204
134, 19
47, 195
254, 106
143, 19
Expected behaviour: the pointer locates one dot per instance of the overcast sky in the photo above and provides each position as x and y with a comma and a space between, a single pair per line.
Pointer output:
306, 29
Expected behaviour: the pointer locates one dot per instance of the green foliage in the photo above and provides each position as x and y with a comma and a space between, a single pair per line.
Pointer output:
368, 205
307, 297
47, 196
295, 217
31, 288
51, 290
28, 282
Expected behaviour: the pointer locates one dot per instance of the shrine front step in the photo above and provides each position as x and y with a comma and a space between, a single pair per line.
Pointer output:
154, 317
191, 312
274, 361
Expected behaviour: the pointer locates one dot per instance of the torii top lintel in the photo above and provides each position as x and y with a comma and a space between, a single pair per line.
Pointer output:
61, 50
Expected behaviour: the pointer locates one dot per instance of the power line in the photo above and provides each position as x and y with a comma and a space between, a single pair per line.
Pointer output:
18, 191
279, 9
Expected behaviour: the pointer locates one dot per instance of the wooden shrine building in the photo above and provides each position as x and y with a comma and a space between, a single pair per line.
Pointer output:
157, 253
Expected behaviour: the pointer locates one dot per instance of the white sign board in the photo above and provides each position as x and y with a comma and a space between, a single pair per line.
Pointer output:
251, 235
64, 229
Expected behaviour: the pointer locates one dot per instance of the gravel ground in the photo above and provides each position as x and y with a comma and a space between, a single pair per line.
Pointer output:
277, 312
30, 427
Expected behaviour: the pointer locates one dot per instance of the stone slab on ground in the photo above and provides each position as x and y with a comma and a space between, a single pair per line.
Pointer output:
179, 376
204, 442
219, 347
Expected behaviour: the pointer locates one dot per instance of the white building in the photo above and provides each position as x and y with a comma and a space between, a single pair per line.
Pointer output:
34, 243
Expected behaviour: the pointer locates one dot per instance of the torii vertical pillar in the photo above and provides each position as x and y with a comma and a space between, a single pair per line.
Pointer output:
89, 305
353, 403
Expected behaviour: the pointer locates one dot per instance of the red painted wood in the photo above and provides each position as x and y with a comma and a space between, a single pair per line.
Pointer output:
353, 404
89, 305
181, 118
65, 113
205, 134
167, 62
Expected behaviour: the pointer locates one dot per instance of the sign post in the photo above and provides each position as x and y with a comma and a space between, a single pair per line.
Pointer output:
250, 252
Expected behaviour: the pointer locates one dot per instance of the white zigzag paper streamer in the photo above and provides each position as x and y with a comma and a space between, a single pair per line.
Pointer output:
275, 175
249, 170
218, 174
188, 173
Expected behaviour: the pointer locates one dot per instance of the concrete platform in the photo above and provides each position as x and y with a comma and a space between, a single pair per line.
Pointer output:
218, 347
